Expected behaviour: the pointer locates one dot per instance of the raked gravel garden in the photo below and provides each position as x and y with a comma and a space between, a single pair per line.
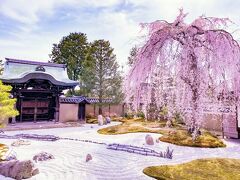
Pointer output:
70, 156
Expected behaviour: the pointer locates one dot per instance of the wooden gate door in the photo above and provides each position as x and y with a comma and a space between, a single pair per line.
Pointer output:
81, 111
34, 109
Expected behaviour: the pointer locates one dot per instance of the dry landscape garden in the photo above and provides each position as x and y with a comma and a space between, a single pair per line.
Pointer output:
173, 115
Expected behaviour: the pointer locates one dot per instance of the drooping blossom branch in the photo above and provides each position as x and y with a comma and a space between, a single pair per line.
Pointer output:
197, 55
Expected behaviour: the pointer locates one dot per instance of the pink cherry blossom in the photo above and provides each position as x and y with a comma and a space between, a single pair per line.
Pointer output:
201, 58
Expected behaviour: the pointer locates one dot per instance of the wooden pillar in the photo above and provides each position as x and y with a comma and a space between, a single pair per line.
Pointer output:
35, 111
14, 117
82, 107
84, 115
109, 109
80, 112
94, 109
20, 109
57, 108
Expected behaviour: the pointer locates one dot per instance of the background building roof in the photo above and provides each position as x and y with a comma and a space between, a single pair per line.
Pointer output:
80, 99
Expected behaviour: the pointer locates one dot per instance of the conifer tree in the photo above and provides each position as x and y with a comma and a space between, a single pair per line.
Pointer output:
6, 104
101, 75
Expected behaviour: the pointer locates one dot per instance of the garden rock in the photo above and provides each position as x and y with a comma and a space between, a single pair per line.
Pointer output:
149, 140
43, 156
18, 169
88, 157
20, 142
108, 120
100, 120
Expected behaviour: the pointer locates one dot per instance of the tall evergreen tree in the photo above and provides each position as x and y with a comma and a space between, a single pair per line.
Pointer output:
100, 74
6, 104
71, 50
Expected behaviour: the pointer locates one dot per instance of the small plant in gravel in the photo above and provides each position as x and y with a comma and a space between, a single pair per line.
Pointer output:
168, 154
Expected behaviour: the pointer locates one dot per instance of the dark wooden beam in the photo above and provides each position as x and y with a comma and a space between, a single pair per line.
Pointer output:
35, 111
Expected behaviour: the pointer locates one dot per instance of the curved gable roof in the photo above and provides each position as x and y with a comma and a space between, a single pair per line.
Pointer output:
20, 71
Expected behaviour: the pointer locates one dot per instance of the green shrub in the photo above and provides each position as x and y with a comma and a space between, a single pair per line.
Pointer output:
178, 118
129, 115
163, 113
140, 114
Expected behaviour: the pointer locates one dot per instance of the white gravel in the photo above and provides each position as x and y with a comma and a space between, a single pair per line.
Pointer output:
69, 162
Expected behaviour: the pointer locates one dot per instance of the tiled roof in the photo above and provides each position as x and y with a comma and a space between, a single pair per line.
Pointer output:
20, 71
79, 99
96, 100
73, 100
11, 60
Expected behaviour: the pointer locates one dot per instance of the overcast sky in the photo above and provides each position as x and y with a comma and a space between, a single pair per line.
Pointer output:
28, 28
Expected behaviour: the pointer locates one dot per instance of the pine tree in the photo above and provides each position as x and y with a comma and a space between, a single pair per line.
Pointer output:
100, 73
6, 104
71, 50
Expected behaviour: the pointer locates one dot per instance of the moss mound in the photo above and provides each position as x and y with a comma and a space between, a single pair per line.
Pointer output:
133, 126
219, 169
176, 135
118, 129
182, 138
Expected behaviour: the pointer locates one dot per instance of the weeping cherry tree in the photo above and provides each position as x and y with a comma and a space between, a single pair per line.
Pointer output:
200, 56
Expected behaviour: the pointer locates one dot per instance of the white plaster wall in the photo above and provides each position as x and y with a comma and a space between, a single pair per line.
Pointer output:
68, 112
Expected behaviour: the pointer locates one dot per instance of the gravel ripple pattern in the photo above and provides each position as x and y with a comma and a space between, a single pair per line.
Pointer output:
69, 162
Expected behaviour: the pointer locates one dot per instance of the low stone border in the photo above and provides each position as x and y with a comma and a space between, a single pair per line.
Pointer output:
31, 136
81, 140
140, 150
